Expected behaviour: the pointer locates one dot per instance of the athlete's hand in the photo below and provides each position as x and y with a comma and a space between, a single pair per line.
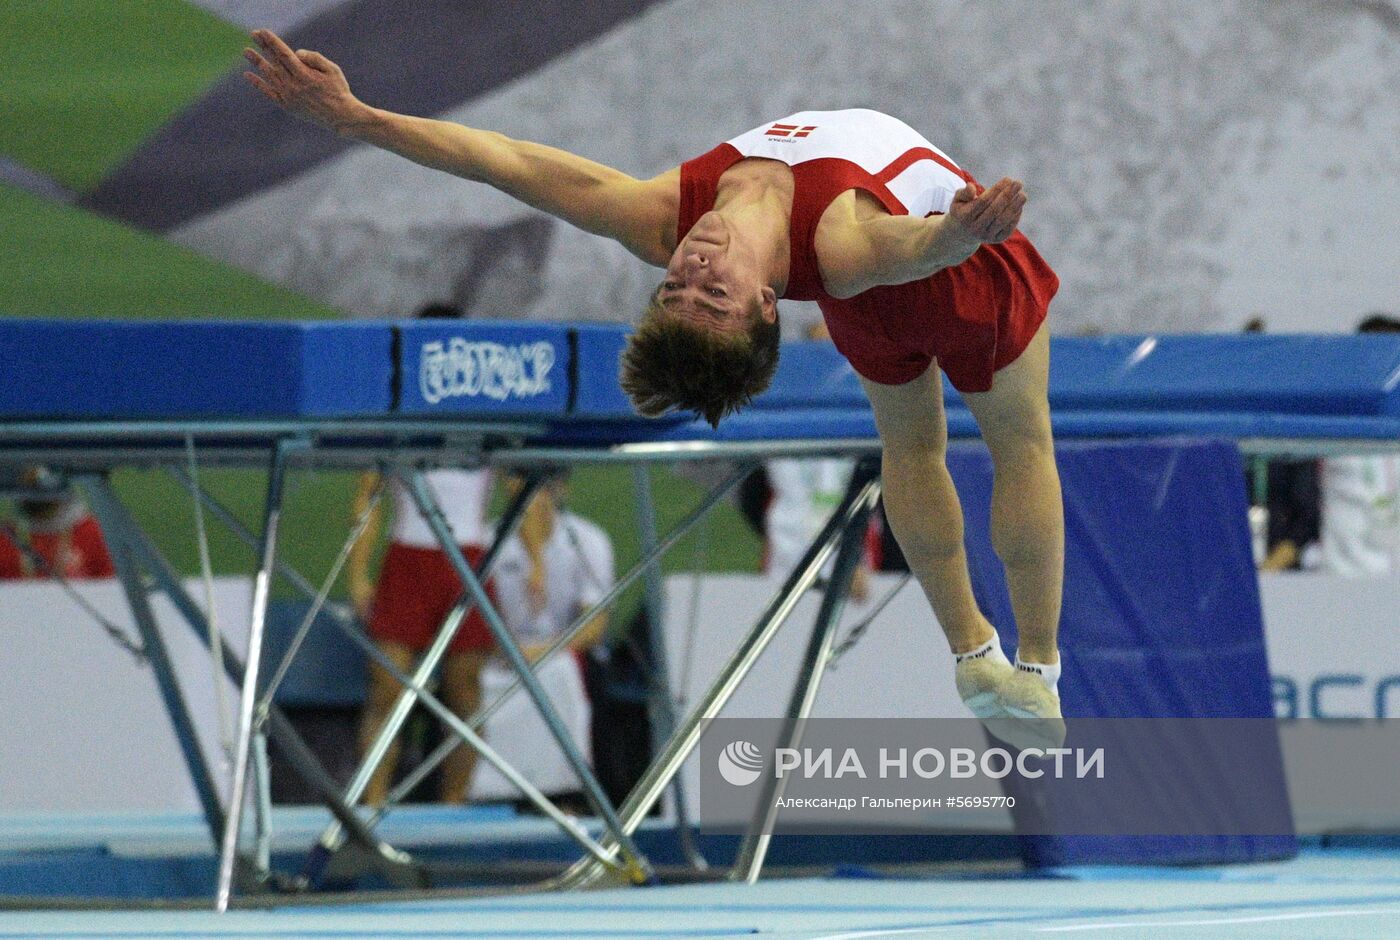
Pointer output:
306, 84
991, 216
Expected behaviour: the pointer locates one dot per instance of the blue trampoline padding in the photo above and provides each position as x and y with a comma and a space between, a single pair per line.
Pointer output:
752, 425
1317, 375
1106, 423
597, 393
1314, 375
813, 374
484, 367
152, 369
810, 375
835, 424
1235, 386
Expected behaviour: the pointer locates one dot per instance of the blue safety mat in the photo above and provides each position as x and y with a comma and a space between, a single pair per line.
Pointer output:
1161, 620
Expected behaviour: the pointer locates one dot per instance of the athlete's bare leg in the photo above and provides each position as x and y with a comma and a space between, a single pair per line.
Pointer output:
922, 505
461, 691
1027, 532
1028, 519
383, 692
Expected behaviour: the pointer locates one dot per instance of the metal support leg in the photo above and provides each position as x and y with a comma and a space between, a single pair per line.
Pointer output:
638, 868
468, 735
666, 764
754, 848
660, 703
330, 839
280, 729
240, 531
276, 475
119, 538
565, 639
262, 815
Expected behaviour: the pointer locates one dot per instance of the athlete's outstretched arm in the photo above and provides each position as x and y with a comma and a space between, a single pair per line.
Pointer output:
868, 251
599, 199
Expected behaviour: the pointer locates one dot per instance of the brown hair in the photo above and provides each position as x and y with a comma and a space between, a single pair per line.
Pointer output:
671, 362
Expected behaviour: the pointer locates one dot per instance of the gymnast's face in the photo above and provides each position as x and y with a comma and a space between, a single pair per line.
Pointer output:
714, 278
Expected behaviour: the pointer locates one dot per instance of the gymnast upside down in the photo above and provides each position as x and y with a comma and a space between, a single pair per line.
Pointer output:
916, 269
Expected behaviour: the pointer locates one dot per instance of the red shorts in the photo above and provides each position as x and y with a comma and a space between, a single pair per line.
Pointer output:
973, 318
417, 587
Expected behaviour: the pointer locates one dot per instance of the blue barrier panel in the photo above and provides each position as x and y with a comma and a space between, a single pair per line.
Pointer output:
153, 370
483, 367
1161, 620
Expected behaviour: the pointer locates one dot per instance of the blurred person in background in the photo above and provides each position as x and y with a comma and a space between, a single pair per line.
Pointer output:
1361, 502
52, 536
553, 569
417, 587
1292, 505
1283, 515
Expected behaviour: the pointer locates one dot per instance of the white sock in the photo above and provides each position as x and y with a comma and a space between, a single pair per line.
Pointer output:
989, 650
1048, 673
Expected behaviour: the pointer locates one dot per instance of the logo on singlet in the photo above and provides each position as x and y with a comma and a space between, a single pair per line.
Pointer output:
790, 130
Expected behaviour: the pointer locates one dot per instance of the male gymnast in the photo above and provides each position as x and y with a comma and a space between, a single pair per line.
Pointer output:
916, 268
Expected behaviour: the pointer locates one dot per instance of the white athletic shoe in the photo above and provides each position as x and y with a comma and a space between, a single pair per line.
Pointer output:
979, 683
1034, 713
1015, 706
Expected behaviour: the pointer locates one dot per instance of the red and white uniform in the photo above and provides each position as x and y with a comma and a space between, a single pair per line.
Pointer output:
975, 317
1361, 515
69, 546
417, 583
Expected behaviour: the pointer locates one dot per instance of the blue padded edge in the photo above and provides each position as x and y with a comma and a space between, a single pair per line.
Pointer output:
484, 367
48, 369
810, 375
154, 369
832, 423
1222, 424
344, 378
1239, 386
752, 425
813, 375
1319, 375
597, 393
